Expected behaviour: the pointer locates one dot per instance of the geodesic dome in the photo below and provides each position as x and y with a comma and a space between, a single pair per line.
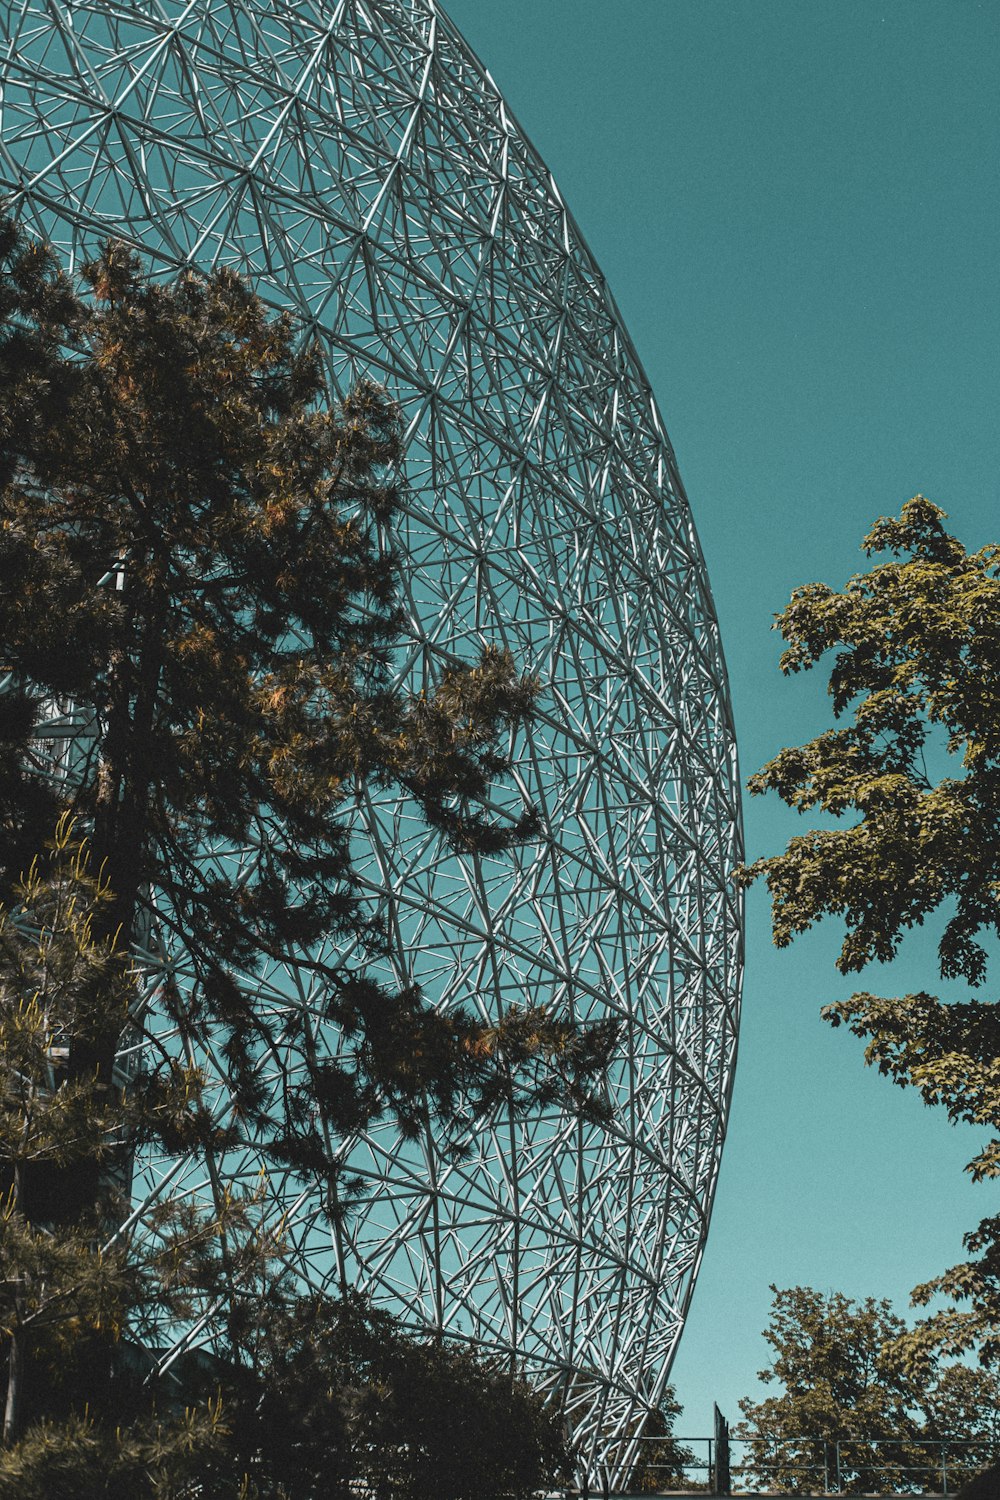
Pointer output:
355, 160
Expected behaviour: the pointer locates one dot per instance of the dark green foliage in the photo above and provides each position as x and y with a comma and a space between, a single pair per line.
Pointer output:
302, 1398
326, 1393
456, 1428
982, 1486
325, 1397
851, 1414
915, 680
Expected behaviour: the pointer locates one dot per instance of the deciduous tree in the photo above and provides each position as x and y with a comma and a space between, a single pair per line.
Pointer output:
851, 1414
913, 770
330, 1394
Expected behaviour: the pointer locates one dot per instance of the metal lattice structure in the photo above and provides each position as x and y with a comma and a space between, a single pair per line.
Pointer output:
354, 159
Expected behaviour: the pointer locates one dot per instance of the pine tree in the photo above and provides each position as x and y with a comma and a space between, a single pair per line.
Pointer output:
196, 556
198, 572
73, 1283
913, 766
304, 1396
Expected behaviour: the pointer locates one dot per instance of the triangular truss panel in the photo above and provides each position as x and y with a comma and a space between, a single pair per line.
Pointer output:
355, 159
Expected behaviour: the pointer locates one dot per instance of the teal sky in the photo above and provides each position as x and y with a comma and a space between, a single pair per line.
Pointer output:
795, 203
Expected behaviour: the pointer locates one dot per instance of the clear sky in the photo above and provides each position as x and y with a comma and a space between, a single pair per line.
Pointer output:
796, 205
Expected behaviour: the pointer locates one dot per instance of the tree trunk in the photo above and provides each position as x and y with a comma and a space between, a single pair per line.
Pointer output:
15, 1381
121, 805
15, 1362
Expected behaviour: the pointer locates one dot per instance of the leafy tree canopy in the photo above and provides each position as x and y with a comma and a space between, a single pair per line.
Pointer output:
917, 643
326, 1395
915, 686
851, 1413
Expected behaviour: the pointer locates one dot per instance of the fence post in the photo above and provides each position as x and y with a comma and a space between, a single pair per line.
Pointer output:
944, 1466
720, 1469
836, 1468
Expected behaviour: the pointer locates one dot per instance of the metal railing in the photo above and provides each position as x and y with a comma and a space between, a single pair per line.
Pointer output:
909, 1465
